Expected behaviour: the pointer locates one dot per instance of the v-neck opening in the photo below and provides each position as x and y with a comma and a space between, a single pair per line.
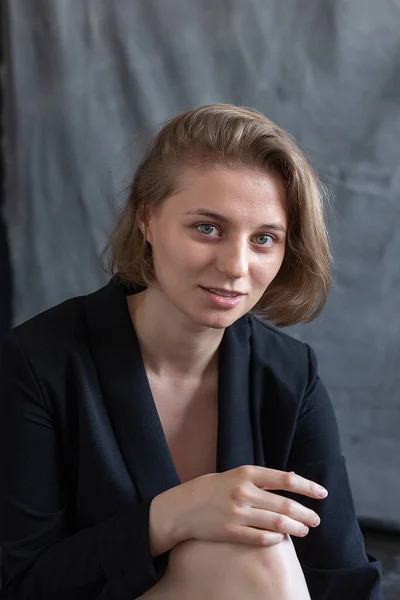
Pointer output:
162, 434
130, 407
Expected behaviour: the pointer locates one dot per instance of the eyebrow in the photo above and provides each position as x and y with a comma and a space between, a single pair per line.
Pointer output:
214, 215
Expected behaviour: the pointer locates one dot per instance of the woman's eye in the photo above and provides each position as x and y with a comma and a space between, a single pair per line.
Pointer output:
264, 239
206, 229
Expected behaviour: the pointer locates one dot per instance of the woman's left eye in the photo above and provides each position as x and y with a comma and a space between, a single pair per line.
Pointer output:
264, 239
206, 228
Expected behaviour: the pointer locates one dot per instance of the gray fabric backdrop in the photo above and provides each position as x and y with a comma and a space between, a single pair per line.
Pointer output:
88, 82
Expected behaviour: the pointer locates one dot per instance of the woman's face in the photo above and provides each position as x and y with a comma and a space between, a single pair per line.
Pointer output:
223, 232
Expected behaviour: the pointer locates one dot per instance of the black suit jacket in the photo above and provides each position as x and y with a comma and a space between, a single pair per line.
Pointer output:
83, 453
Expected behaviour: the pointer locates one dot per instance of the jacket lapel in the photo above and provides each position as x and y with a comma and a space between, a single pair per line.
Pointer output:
129, 403
235, 442
126, 392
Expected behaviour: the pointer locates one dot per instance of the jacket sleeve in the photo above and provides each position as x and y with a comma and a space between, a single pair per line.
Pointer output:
43, 558
333, 555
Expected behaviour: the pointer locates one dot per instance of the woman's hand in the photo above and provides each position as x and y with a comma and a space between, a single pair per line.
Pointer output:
238, 506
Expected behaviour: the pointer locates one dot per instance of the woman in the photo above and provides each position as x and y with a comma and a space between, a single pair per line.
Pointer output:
162, 441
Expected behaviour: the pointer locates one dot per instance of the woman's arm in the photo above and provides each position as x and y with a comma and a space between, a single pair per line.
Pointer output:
333, 555
42, 556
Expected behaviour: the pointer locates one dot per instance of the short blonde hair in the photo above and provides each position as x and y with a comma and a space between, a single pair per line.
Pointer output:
232, 136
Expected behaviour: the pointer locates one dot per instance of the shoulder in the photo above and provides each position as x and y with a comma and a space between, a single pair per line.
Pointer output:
36, 356
289, 359
267, 337
53, 337
56, 327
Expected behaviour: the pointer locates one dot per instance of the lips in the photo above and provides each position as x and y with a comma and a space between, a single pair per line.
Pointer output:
224, 293
222, 299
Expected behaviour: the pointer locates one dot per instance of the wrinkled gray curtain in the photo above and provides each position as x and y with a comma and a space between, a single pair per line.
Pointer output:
89, 81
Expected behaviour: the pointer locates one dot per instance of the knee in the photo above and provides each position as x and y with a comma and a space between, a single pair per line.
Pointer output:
276, 557
279, 566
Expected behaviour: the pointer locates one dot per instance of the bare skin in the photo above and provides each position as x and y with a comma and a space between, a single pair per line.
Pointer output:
222, 231
179, 326
188, 413
202, 568
199, 570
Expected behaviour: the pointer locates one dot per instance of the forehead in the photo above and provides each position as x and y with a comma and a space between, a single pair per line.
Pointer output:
236, 193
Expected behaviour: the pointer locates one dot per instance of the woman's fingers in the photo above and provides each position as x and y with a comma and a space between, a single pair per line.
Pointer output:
270, 511
270, 479
284, 506
271, 521
253, 536
238, 505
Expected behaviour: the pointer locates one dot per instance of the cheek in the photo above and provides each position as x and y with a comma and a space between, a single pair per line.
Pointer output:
178, 258
267, 269
196, 254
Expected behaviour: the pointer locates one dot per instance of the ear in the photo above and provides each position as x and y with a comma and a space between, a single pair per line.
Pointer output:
144, 225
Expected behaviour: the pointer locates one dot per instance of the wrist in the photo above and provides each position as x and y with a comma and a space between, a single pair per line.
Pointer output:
175, 512
166, 529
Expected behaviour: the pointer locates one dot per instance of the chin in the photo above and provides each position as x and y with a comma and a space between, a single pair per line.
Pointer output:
216, 321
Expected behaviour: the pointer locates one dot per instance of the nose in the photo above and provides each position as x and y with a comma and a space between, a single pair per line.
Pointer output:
233, 259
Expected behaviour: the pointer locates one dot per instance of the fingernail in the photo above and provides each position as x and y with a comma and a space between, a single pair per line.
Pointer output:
322, 492
316, 521
304, 530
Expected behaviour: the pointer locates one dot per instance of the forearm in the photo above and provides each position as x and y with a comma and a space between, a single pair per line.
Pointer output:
108, 557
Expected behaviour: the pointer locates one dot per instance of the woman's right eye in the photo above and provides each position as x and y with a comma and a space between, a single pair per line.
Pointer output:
206, 228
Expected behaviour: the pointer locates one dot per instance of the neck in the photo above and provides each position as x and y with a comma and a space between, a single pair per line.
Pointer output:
172, 346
